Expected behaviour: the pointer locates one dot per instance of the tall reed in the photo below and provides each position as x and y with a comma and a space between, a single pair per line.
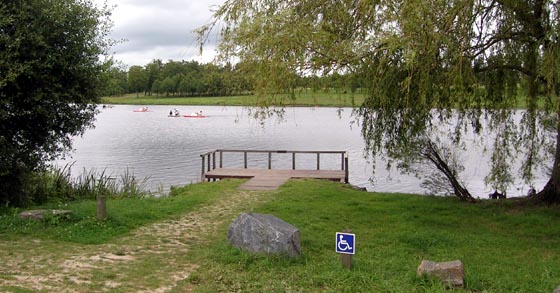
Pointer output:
57, 183
129, 186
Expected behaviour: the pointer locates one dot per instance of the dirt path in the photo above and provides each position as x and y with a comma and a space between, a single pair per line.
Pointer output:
153, 259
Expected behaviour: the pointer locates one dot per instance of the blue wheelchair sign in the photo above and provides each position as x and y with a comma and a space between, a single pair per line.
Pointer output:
345, 243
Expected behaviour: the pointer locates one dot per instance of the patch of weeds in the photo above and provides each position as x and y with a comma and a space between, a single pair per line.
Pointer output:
120, 253
427, 284
51, 219
110, 276
15, 289
7, 277
194, 278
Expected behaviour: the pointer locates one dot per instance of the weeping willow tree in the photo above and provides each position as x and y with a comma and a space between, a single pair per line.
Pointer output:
462, 63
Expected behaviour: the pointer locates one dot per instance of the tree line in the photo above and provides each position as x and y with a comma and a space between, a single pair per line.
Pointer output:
175, 78
191, 78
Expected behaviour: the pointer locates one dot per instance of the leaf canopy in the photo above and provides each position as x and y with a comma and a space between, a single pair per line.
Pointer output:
464, 62
50, 72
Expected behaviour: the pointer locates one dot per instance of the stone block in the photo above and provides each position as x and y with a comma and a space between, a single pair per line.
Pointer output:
266, 234
450, 273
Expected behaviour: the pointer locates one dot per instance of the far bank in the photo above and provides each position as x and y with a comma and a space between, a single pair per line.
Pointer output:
307, 99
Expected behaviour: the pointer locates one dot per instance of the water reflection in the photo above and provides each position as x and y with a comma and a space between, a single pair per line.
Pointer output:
167, 149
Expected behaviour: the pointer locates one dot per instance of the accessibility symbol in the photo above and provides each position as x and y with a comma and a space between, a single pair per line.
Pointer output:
345, 243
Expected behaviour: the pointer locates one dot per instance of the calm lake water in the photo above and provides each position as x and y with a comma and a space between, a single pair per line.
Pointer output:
167, 150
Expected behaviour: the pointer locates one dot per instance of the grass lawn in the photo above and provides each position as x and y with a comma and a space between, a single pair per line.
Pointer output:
178, 243
304, 98
325, 99
126, 214
504, 248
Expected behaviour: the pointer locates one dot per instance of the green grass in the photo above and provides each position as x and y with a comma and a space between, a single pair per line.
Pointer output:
304, 98
325, 99
125, 214
504, 248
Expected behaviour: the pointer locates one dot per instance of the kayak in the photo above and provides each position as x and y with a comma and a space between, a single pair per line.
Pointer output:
195, 116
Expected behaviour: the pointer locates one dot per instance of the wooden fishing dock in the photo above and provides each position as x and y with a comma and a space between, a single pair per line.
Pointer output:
270, 178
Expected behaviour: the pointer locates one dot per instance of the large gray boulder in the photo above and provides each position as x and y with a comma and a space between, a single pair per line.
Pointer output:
264, 234
450, 273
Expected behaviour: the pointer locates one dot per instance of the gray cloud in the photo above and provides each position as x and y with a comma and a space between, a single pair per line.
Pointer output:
159, 29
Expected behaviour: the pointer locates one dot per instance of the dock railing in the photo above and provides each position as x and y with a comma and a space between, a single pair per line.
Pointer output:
214, 159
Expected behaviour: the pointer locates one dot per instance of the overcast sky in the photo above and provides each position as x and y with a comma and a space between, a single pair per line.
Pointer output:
159, 29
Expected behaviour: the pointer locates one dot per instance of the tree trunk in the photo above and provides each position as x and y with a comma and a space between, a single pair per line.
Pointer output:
432, 154
550, 194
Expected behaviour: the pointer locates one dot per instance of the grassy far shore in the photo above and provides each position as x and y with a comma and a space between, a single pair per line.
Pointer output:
302, 99
178, 243
330, 99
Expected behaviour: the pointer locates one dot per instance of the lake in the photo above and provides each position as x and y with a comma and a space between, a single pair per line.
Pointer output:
168, 149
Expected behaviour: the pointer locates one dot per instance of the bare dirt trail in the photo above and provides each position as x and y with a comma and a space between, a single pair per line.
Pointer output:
152, 259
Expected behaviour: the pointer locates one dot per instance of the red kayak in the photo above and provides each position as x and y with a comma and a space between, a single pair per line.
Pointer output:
195, 116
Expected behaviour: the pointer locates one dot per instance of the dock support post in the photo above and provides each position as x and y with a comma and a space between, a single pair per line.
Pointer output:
213, 163
318, 161
245, 159
221, 159
213, 160
293, 161
346, 169
202, 171
269, 160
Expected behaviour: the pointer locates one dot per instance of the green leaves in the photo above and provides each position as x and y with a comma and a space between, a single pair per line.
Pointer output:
49, 79
419, 60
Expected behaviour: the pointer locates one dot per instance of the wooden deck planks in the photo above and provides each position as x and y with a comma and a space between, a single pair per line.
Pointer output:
266, 179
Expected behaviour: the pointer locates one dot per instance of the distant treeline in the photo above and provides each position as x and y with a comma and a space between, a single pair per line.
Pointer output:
191, 78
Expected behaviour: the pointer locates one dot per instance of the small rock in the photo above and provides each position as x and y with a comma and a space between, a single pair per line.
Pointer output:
264, 234
40, 214
357, 188
451, 273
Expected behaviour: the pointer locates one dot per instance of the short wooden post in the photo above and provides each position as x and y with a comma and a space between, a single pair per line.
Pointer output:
293, 160
347, 261
347, 258
209, 162
318, 161
342, 161
245, 159
269, 160
101, 208
221, 159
